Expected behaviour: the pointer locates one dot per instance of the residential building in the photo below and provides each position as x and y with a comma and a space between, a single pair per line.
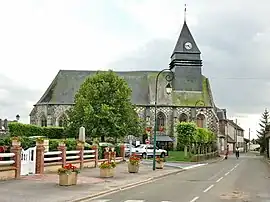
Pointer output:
235, 136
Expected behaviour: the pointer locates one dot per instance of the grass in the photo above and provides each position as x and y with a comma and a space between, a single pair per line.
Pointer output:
177, 156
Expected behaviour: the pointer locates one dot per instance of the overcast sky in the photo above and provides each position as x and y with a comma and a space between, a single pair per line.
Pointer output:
39, 37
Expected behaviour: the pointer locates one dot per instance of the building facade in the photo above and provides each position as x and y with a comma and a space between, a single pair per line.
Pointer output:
189, 87
235, 136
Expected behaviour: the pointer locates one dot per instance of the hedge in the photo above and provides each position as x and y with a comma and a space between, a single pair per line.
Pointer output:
26, 142
20, 129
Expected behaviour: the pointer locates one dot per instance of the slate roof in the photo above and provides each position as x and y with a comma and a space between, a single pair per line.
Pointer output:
186, 36
67, 82
235, 125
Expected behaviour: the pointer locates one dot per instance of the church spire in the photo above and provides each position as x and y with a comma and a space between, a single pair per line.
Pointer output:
186, 42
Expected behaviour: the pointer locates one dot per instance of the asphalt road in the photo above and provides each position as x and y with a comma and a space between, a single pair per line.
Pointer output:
246, 179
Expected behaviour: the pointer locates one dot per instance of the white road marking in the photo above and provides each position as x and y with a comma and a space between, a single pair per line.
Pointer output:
102, 200
219, 179
134, 201
195, 199
227, 173
207, 189
194, 166
211, 178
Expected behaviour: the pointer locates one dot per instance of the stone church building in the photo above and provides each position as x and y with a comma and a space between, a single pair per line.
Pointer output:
190, 100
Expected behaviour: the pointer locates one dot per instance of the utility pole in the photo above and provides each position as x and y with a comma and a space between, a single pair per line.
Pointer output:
249, 139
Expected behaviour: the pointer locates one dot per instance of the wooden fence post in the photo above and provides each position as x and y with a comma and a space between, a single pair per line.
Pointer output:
80, 147
95, 147
40, 158
17, 150
62, 147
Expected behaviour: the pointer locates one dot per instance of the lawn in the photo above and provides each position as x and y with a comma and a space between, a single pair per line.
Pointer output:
177, 156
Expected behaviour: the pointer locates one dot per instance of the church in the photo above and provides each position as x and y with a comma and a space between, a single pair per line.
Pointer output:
190, 100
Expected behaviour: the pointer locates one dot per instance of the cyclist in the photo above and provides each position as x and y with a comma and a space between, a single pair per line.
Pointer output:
237, 152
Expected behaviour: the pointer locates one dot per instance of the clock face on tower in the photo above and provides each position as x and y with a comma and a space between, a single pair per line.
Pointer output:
188, 45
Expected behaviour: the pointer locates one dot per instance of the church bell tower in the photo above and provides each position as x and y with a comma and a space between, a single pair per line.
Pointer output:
186, 62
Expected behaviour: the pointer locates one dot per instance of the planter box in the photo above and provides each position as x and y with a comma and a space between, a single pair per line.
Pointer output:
160, 165
106, 172
133, 168
16, 143
68, 180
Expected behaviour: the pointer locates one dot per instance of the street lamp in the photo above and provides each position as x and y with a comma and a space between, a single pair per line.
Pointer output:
169, 77
17, 117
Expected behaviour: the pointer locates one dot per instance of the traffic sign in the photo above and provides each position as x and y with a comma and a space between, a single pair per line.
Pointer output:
147, 142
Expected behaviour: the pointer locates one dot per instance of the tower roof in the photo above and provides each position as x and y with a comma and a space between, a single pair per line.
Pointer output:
186, 36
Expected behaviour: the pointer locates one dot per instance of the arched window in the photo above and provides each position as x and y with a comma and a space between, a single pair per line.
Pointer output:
161, 118
201, 120
62, 120
183, 117
43, 121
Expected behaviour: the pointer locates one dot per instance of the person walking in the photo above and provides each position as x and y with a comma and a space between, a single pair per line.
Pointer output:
227, 152
237, 152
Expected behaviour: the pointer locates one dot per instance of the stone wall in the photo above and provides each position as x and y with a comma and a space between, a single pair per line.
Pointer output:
54, 112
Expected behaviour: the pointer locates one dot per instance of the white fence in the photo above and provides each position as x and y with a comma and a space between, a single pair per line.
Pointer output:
7, 162
70, 155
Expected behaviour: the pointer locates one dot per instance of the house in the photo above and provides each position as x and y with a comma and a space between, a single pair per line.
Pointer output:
190, 87
235, 136
222, 116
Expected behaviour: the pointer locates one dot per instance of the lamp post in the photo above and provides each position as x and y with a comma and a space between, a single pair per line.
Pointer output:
169, 77
17, 117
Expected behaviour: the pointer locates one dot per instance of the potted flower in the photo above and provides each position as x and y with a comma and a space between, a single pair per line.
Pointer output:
80, 143
107, 169
68, 175
160, 162
62, 143
40, 141
16, 141
133, 164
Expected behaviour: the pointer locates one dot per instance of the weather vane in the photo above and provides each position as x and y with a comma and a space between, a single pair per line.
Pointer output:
185, 13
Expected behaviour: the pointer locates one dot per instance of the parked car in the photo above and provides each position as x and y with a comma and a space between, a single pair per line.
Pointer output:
127, 148
146, 150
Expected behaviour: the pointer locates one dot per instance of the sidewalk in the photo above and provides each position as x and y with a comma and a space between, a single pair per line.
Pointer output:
45, 188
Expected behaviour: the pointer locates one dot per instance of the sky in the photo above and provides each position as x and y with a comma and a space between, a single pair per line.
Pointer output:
40, 37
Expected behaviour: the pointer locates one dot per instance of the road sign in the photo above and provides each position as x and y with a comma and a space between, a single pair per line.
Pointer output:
147, 142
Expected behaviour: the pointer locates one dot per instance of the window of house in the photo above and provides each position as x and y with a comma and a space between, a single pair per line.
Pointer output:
160, 120
183, 118
43, 121
61, 121
201, 120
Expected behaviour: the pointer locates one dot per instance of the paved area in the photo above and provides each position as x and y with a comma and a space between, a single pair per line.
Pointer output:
187, 165
246, 179
45, 188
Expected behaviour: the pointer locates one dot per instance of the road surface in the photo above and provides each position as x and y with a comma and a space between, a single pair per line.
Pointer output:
246, 179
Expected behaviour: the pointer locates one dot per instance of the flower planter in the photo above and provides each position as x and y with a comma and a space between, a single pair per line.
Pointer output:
133, 168
68, 180
16, 143
160, 165
106, 172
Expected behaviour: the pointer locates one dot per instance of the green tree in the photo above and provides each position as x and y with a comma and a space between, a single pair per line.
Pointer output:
186, 134
103, 106
262, 132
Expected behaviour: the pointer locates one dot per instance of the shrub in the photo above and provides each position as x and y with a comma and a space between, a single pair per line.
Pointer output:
19, 129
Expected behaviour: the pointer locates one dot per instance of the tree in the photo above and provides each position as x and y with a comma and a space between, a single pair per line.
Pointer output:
186, 133
263, 131
103, 106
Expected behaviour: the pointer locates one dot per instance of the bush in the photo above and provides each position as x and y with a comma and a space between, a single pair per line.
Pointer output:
26, 142
19, 129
